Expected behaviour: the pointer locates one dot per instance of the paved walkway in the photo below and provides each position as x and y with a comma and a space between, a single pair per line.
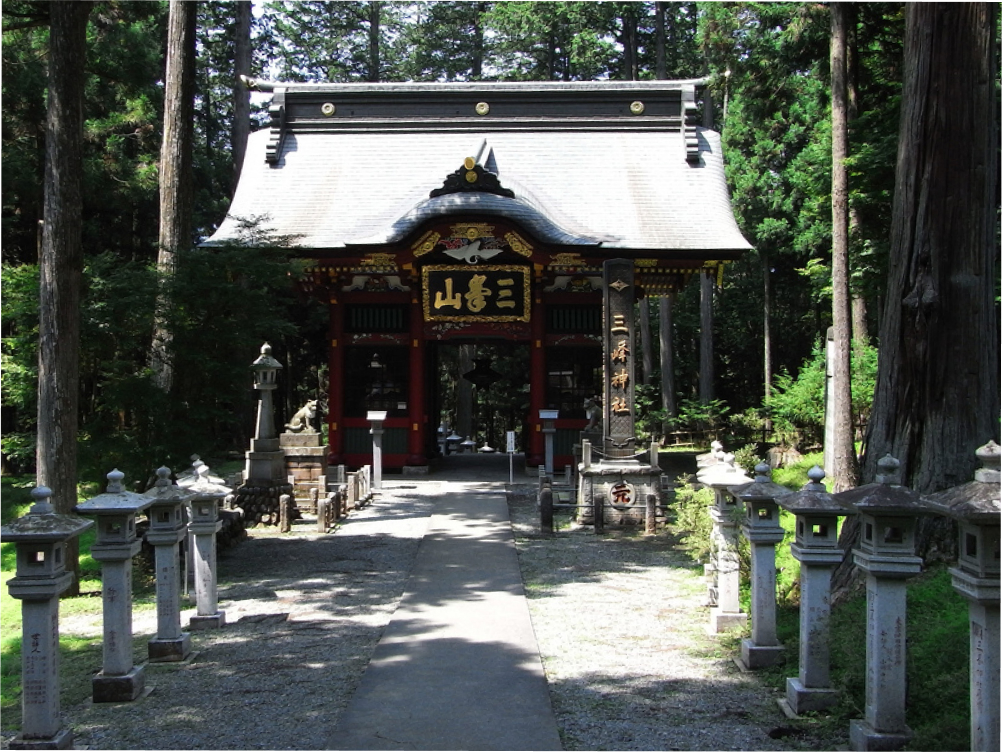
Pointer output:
458, 666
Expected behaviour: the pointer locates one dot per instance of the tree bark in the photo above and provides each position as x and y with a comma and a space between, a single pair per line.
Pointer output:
937, 394
375, 10
175, 174
646, 341
241, 94
706, 338
669, 402
767, 332
661, 63
843, 453
61, 263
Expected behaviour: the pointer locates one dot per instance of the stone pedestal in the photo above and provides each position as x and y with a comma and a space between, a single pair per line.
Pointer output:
811, 689
167, 530
883, 725
203, 527
624, 488
762, 649
726, 614
305, 463
119, 680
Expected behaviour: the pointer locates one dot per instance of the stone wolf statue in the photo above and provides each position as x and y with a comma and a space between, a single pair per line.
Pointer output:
302, 421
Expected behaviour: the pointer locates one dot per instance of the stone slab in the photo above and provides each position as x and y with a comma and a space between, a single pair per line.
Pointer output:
170, 650
290, 440
760, 656
458, 666
801, 699
63, 739
211, 621
124, 688
863, 737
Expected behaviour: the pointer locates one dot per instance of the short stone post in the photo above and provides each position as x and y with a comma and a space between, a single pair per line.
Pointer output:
376, 418
167, 530
725, 608
886, 553
116, 509
977, 508
762, 529
40, 539
816, 548
546, 509
548, 418
204, 525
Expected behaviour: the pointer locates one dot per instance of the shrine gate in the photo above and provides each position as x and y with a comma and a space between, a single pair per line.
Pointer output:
435, 213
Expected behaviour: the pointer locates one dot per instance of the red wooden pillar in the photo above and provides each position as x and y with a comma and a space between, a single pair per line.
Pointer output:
537, 378
416, 398
335, 384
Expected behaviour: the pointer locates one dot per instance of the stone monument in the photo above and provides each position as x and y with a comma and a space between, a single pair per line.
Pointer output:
265, 480
618, 477
305, 454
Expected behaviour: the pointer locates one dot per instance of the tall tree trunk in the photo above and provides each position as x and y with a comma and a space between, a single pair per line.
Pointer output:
61, 263
767, 331
937, 395
375, 9
860, 333
175, 175
477, 64
669, 402
646, 341
706, 337
661, 64
844, 465
241, 94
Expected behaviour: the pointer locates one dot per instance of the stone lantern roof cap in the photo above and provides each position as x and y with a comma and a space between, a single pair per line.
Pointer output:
265, 360
886, 496
979, 500
814, 497
42, 524
761, 487
116, 499
724, 473
165, 491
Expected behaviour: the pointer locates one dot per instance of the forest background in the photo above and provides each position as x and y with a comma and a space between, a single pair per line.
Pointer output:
768, 64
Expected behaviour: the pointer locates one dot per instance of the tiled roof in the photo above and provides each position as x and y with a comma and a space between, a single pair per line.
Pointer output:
362, 177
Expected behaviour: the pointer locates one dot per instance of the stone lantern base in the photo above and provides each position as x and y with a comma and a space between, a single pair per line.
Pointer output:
803, 699
124, 688
169, 650
862, 737
62, 739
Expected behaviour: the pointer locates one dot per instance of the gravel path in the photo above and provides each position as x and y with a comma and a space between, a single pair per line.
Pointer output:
619, 621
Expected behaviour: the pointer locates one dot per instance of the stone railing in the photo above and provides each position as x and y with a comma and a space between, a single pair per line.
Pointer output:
888, 514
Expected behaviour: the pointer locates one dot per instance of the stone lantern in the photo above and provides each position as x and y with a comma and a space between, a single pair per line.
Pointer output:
976, 507
816, 547
376, 419
203, 526
723, 570
167, 530
762, 529
548, 419
40, 538
888, 514
265, 445
116, 509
